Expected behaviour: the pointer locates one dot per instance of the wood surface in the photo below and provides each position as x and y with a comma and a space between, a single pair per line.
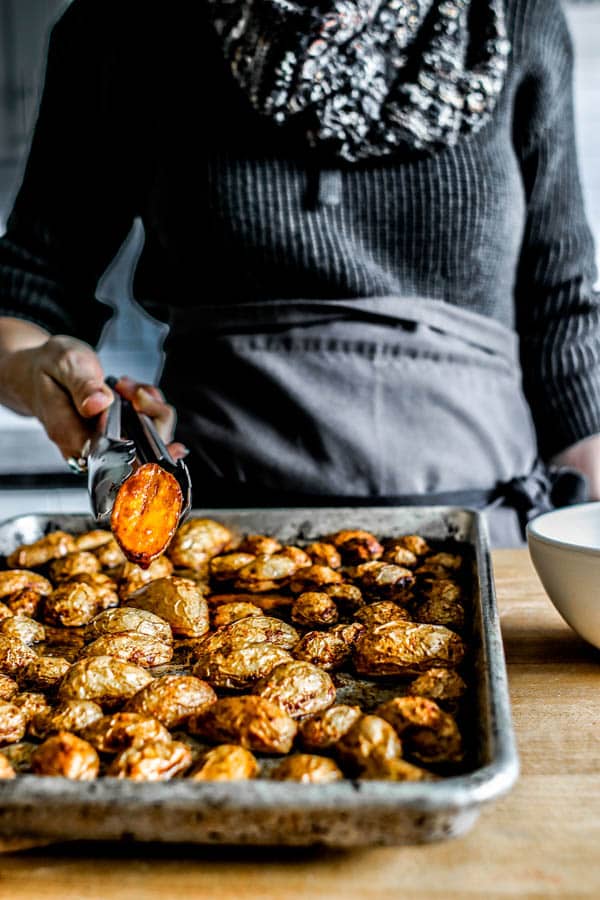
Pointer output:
541, 841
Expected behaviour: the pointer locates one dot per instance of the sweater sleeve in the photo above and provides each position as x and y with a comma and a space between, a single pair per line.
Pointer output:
78, 196
558, 312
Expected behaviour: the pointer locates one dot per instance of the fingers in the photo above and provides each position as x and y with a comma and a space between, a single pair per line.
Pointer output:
59, 417
178, 451
149, 400
75, 367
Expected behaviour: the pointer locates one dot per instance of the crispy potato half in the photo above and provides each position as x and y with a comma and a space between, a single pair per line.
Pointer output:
146, 513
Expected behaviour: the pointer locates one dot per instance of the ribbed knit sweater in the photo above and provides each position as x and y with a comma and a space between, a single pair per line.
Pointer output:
137, 96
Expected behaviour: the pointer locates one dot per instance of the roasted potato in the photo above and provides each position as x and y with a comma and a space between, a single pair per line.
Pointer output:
31, 704
19, 755
8, 687
349, 633
366, 742
226, 567
44, 673
23, 603
266, 573
259, 545
114, 733
253, 722
25, 629
251, 630
326, 728
314, 609
172, 699
385, 581
70, 715
134, 577
14, 655
67, 755
131, 647
231, 612
406, 648
324, 554
81, 563
381, 769
152, 761
428, 733
440, 611
6, 769
176, 600
322, 648
314, 578
103, 679
441, 685
13, 722
12, 581
72, 604
197, 541
146, 513
110, 556
5, 612
400, 556
265, 602
93, 540
298, 688
356, 546
381, 612
413, 542
130, 621
347, 597
53, 546
240, 668
307, 768
227, 762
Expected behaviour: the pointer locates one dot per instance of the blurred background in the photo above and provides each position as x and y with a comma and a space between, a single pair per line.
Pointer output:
132, 341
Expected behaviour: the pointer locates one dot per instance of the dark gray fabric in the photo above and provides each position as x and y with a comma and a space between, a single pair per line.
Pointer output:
494, 225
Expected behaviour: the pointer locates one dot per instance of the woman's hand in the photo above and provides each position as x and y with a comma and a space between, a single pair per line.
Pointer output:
585, 457
60, 381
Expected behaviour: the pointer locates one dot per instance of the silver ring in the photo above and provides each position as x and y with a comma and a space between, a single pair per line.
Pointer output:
78, 464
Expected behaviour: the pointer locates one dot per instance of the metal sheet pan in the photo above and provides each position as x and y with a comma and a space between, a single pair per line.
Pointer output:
342, 814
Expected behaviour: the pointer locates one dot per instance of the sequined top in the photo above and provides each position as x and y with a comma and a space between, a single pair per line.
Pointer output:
139, 99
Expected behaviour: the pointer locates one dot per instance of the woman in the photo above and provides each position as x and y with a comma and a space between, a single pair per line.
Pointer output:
395, 228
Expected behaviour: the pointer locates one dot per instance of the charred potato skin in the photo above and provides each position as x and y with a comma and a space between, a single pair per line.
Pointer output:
322, 648
326, 728
67, 755
197, 541
406, 648
178, 601
227, 762
441, 685
12, 581
70, 715
172, 699
307, 768
131, 621
227, 613
152, 761
44, 673
14, 655
13, 722
130, 647
31, 704
356, 546
240, 667
72, 604
117, 732
367, 741
81, 562
429, 734
298, 688
381, 612
103, 679
8, 687
314, 609
250, 721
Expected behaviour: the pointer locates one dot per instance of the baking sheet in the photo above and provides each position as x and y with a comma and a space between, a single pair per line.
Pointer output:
343, 814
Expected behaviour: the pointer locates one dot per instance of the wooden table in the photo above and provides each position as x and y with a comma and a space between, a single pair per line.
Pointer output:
543, 840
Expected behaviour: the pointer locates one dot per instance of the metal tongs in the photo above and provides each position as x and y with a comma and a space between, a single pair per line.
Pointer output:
125, 439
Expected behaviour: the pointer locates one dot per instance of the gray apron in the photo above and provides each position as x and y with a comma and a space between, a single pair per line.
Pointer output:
372, 398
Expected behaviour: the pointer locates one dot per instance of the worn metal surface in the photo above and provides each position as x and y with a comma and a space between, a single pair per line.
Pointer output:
348, 813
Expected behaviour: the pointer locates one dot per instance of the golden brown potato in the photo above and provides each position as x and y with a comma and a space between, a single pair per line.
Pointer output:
31, 704
441, 685
12, 581
6, 770
8, 687
266, 573
14, 655
231, 612
322, 648
406, 648
259, 544
146, 513
378, 769
307, 768
356, 546
428, 733
13, 722
314, 609
19, 755
152, 761
27, 602
80, 563
413, 542
400, 556
131, 647
384, 581
324, 554
347, 597
348, 633
251, 630
112, 734
265, 602
326, 728
439, 610
241, 667
110, 556
226, 567
25, 629
452, 562
131, 621
67, 755
72, 604
103, 679
298, 688
314, 578
93, 540
53, 546
70, 715
381, 612
5, 612
227, 762
176, 600
134, 577
197, 541
172, 699
44, 673
370, 739
253, 722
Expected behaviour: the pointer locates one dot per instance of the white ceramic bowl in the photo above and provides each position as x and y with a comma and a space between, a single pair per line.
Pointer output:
565, 549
